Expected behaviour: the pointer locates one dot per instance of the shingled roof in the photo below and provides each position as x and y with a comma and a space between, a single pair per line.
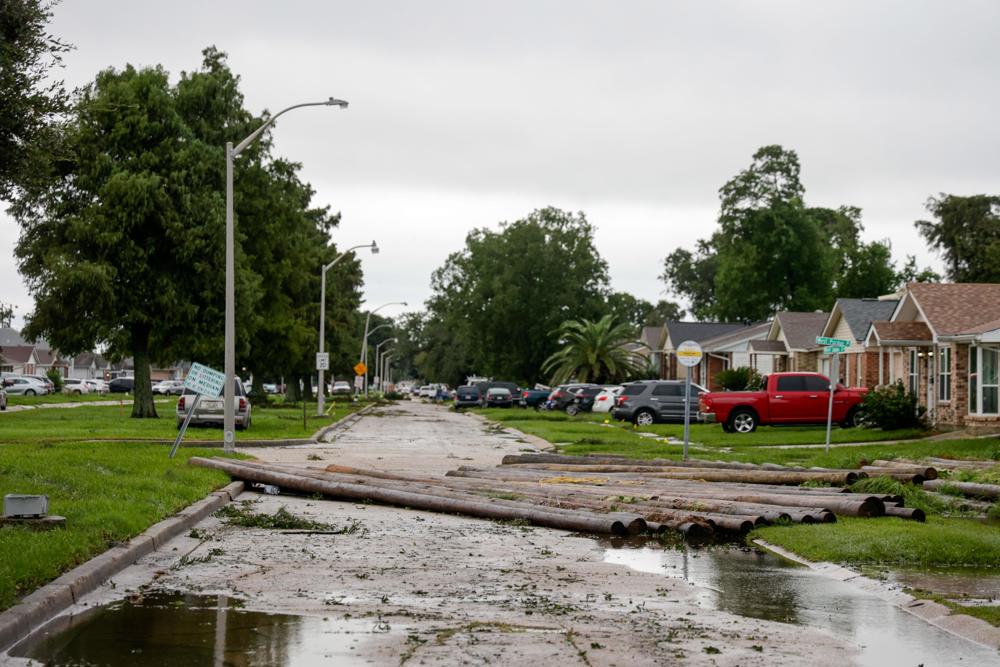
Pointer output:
801, 329
902, 331
761, 346
699, 331
860, 313
956, 308
19, 354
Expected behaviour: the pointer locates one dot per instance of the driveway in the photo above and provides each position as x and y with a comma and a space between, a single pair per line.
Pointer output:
408, 587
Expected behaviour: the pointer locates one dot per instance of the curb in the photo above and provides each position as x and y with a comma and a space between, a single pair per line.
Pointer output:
343, 423
51, 599
963, 626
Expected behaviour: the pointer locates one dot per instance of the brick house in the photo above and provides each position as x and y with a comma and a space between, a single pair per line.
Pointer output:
943, 342
790, 343
849, 320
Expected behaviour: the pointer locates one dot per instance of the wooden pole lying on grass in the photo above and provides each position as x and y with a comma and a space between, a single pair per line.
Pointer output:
969, 489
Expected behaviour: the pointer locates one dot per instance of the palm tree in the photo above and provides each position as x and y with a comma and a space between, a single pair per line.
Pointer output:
594, 352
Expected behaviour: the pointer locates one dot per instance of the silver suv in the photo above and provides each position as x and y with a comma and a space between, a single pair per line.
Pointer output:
651, 401
210, 411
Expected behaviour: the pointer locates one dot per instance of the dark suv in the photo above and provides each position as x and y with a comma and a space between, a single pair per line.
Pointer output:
652, 401
467, 396
584, 401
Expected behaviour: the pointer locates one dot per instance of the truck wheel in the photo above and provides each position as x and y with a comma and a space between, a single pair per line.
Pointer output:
743, 421
644, 418
854, 418
727, 427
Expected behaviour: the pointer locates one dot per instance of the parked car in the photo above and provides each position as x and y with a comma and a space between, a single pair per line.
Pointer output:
787, 398
211, 412
427, 391
533, 398
605, 400
122, 385
467, 396
75, 386
584, 401
485, 386
650, 401
99, 386
25, 385
498, 397
168, 387
563, 395
44, 379
341, 387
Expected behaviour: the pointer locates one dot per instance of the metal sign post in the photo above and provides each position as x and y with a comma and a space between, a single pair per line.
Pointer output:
689, 354
203, 381
834, 372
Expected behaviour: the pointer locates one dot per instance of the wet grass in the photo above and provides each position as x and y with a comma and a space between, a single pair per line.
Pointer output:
108, 492
68, 398
891, 541
114, 423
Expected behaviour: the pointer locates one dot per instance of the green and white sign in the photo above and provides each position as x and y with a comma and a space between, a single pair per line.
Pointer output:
205, 381
823, 340
834, 349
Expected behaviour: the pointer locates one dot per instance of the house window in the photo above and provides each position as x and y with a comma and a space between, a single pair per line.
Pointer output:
973, 380
944, 374
988, 380
913, 373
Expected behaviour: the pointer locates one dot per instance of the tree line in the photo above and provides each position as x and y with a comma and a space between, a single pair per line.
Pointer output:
119, 191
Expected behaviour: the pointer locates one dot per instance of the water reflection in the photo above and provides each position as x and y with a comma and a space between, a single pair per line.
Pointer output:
760, 585
172, 629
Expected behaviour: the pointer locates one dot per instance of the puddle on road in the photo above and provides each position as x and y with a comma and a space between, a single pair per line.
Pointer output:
761, 585
175, 630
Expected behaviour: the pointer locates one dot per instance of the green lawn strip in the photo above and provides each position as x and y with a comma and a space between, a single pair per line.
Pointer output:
108, 492
114, 423
713, 435
988, 613
890, 541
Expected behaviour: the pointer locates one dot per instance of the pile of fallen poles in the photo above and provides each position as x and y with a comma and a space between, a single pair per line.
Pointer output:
608, 494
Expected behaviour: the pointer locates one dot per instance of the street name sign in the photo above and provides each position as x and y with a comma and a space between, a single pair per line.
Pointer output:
834, 349
823, 340
205, 381
322, 361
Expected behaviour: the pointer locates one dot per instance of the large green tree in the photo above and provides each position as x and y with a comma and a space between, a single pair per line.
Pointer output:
497, 300
594, 352
771, 252
639, 313
123, 243
30, 99
966, 231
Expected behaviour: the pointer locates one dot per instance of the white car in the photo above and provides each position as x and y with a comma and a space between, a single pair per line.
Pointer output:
604, 401
168, 387
75, 386
98, 386
24, 385
427, 391
341, 387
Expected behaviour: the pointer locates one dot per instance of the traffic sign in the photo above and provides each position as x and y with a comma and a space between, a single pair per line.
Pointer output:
322, 361
360, 368
823, 340
689, 353
204, 380
359, 381
834, 349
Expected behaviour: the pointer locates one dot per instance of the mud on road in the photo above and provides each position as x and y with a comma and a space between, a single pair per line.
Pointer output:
401, 587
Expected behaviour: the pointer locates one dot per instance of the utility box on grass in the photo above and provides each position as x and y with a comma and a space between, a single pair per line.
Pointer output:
16, 505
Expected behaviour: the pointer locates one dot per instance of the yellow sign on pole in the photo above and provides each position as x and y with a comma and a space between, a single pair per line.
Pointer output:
360, 369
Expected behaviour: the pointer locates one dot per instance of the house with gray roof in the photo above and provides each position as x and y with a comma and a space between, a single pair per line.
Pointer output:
849, 320
676, 332
790, 343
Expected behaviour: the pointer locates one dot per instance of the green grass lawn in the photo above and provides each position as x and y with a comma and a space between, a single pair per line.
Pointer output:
71, 398
108, 492
889, 541
114, 423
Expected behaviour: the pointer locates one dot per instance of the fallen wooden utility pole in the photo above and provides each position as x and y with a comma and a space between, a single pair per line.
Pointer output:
969, 489
585, 522
707, 474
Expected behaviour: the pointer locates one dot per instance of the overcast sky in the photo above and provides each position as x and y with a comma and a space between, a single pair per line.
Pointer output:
464, 114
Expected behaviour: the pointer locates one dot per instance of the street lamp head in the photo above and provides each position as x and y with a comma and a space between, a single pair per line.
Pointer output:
334, 102
374, 248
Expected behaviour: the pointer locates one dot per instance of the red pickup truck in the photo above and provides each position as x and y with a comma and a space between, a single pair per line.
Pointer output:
787, 398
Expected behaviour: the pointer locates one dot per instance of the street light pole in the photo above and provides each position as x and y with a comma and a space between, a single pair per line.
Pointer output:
229, 392
322, 317
364, 339
378, 358
385, 366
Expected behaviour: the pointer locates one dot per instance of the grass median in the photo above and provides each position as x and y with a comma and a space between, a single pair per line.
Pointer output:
108, 492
